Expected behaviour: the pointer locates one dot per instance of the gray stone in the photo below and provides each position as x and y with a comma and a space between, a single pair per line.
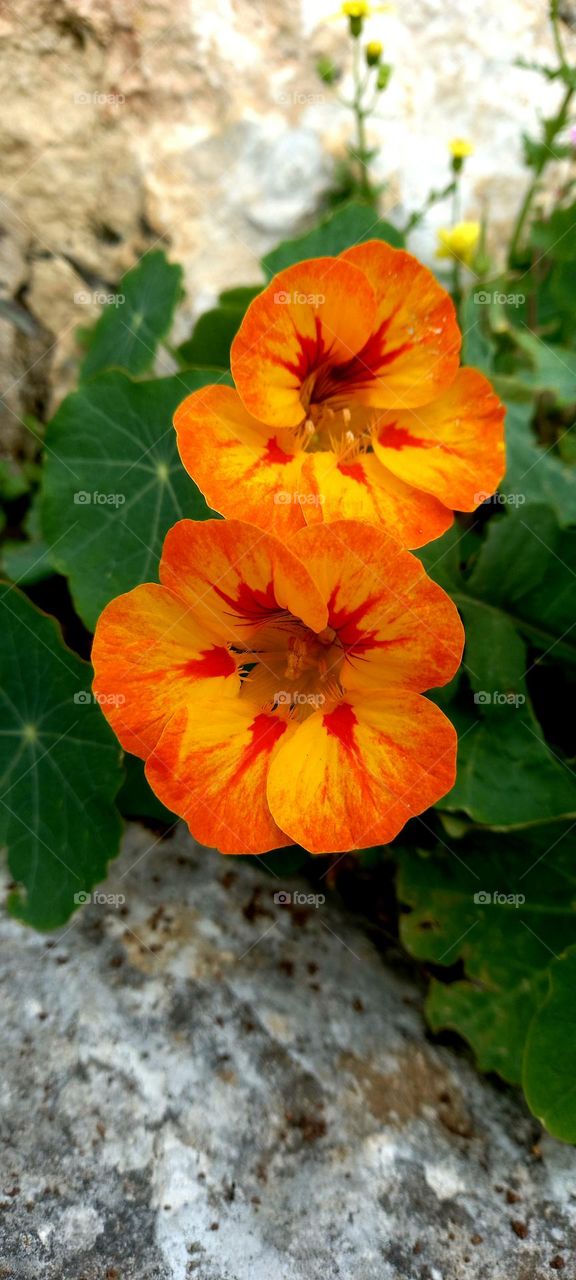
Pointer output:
199, 1081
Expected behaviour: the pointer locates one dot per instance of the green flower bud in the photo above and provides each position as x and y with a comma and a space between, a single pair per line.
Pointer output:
384, 73
327, 70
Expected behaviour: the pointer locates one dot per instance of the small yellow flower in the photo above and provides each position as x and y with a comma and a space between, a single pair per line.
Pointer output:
459, 242
374, 51
356, 11
361, 9
460, 148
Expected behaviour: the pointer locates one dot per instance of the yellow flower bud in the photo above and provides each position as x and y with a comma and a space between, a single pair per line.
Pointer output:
373, 53
460, 148
357, 11
459, 243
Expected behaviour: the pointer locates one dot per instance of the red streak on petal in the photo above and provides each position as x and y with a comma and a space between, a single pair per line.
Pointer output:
212, 662
354, 471
388, 357
275, 454
340, 724
251, 604
265, 731
346, 622
393, 437
365, 366
311, 355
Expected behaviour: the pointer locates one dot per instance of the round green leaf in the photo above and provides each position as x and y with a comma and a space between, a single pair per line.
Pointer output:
114, 484
59, 768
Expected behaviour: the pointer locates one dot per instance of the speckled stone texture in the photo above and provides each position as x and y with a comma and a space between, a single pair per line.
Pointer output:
201, 1082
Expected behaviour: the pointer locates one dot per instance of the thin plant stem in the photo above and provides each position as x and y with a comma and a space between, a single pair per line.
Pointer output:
360, 115
551, 130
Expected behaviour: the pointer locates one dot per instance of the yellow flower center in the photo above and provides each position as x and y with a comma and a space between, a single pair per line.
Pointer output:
291, 670
331, 423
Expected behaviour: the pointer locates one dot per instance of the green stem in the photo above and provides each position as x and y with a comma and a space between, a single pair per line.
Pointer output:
363, 179
456, 201
551, 130
456, 268
434, 198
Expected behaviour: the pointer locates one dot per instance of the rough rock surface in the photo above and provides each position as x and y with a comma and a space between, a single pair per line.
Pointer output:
204, 127
201, 1082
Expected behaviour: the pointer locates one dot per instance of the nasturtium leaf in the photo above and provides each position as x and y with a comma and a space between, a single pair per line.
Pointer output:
212, 338
59, 768
534, 473
27, 560
552, 368
136, 798
240, 295
556, 235
478, 346
548, 1073
114, 484
503, 906
353, 223
127, 334
215, 330
507, 775
521, 588
523, 571
14, 480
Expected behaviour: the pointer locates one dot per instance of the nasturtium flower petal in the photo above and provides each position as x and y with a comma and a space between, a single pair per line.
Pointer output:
235, 577
413, 350
251, 652
362, 489
395, 625
149, 650
210, 766
313, 316
444, 446
257, 470
353, 774
331, 356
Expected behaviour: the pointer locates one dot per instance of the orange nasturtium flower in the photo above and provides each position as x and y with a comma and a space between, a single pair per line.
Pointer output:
349, 404
275, 692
